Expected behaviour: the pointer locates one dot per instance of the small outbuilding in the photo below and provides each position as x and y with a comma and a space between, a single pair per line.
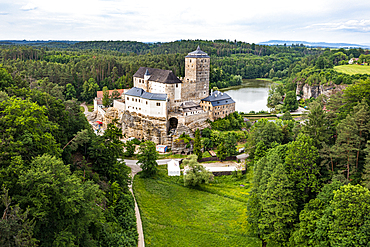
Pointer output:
173, 168
161, 148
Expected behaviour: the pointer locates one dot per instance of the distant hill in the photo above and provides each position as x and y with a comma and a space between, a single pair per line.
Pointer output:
35, 42
313, 44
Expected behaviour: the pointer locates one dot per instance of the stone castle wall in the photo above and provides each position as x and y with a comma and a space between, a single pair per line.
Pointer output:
196, 81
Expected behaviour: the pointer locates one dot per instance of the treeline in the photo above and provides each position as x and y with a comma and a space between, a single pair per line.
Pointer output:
318, 69
112, 64
313, 70
61, 185
311, 179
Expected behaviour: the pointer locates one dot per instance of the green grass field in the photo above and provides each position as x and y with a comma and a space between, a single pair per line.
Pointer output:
353, 69
212, 215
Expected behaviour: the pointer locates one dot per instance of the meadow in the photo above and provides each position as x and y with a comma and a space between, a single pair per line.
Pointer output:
353, 69
210, 215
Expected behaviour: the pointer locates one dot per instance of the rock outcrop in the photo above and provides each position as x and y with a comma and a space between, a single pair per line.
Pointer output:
316, 90
147, 128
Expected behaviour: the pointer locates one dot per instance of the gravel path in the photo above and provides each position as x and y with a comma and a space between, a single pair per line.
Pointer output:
134, 170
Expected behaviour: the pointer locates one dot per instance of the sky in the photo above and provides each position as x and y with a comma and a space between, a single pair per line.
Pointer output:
336, 21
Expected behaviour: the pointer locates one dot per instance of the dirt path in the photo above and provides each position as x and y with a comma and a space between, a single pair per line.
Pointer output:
85, 107
135, 169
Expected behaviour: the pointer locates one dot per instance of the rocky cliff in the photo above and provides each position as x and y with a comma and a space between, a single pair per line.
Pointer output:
316, 90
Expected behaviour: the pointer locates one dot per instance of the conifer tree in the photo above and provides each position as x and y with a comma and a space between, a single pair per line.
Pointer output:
366, 173
362, 119
317, 125
346, 145
197, 145
279, 208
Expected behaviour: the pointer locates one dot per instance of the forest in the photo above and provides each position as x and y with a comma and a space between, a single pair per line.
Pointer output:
62, 185
311, 178
85, 67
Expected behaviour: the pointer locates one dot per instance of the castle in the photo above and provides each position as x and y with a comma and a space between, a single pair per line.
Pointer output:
160, 106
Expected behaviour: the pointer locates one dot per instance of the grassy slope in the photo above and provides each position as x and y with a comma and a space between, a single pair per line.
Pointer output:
174, 215
353, 69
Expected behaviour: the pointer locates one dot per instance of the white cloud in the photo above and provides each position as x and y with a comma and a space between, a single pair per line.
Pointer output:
28, 6
349, 25
164, 20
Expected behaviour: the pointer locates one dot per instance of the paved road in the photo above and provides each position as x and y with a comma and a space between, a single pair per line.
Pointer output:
160, 162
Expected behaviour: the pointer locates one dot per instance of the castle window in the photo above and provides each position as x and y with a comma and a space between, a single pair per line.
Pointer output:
158, 104
132, 99
139, 109
177, 85
146, 102
128, 98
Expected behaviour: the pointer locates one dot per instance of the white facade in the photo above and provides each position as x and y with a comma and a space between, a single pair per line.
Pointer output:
157, 87
119, 105
173, 168
177, 91
154, 108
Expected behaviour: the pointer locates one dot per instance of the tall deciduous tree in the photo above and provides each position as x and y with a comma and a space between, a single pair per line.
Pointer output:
303, 170
312, 229
350, 220
25, 130
70, 91
64, 207
196, 174
290, 101
230, 144
265, 131
90, 88
147, 158
107, 101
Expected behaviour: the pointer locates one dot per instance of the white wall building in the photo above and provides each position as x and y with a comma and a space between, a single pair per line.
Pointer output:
148, 104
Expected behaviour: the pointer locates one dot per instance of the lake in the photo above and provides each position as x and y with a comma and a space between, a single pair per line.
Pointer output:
250, 96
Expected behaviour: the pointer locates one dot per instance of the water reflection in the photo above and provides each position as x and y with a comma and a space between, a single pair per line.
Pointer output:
251, 95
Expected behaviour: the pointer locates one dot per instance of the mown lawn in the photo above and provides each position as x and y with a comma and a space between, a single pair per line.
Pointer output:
353, 69
212, 215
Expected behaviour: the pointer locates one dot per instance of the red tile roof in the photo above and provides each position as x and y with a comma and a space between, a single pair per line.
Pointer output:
99, 94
